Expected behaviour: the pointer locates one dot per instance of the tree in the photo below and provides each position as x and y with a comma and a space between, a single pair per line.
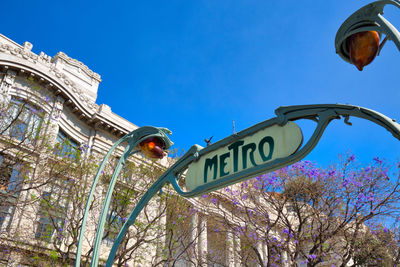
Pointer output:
43, 190
313, 214
301, 213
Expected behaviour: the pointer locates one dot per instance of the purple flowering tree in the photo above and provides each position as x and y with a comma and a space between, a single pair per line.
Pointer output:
307, 215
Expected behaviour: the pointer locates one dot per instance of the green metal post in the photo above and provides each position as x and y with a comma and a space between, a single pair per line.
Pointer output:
90, 199
322, 114
133, 139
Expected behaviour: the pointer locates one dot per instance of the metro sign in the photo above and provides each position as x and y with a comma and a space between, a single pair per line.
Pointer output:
234, 161
259, 149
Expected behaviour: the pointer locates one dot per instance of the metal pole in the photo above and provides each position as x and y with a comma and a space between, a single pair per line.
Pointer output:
134, 138
322, 114
90, 199
168, 176
156, 187
107, 201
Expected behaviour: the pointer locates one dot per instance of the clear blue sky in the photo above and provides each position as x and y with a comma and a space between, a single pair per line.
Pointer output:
194, 66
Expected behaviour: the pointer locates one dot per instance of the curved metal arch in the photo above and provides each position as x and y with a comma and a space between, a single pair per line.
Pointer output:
322, 114
367, 18
167, 176
133, 139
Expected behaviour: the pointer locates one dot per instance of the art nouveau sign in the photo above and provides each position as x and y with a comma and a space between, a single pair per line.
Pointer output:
240, 156
259, 149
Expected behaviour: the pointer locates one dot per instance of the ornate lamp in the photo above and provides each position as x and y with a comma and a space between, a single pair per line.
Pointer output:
358, 40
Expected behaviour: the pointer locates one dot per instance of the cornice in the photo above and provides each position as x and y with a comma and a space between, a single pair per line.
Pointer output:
41, 69
45, 63
78, 64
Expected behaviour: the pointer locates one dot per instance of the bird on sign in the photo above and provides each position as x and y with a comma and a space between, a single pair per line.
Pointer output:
208, 141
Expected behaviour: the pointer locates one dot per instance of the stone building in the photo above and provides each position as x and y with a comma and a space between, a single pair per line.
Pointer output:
65, 90
69, 90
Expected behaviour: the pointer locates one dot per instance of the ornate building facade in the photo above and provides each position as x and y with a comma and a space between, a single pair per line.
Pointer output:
54, 97
62, 92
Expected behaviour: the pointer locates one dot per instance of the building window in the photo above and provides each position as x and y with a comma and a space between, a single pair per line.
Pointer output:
6, 214
46, 227
53, 207
22, 121
5, 177
10, 181
10, 176
66, 147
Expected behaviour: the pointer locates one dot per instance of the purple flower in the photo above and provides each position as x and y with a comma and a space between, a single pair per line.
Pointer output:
331, 173
312, 256
361, 197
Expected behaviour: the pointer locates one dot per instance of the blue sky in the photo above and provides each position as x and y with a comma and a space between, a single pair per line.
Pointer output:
195, 66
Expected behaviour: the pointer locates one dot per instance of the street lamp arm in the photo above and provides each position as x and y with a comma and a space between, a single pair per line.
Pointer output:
322, 114
133, 138
309, 111
389, 29
395, 3
129, 150
156, 187
90, 198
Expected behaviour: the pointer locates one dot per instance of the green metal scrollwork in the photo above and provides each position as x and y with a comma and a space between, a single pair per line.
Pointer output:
322, 114
133, 139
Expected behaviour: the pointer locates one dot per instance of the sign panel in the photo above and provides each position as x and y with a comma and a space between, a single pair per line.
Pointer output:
242, 155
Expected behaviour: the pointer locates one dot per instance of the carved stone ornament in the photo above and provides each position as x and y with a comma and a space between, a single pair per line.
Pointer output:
46, 60
81, 95
9, 78
17, 51
78, 64
6, 84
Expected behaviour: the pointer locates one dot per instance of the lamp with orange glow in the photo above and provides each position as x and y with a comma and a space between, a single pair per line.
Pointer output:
363, 48
153, 147
358, 40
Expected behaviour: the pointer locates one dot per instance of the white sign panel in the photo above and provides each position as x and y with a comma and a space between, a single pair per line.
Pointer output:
240, 156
